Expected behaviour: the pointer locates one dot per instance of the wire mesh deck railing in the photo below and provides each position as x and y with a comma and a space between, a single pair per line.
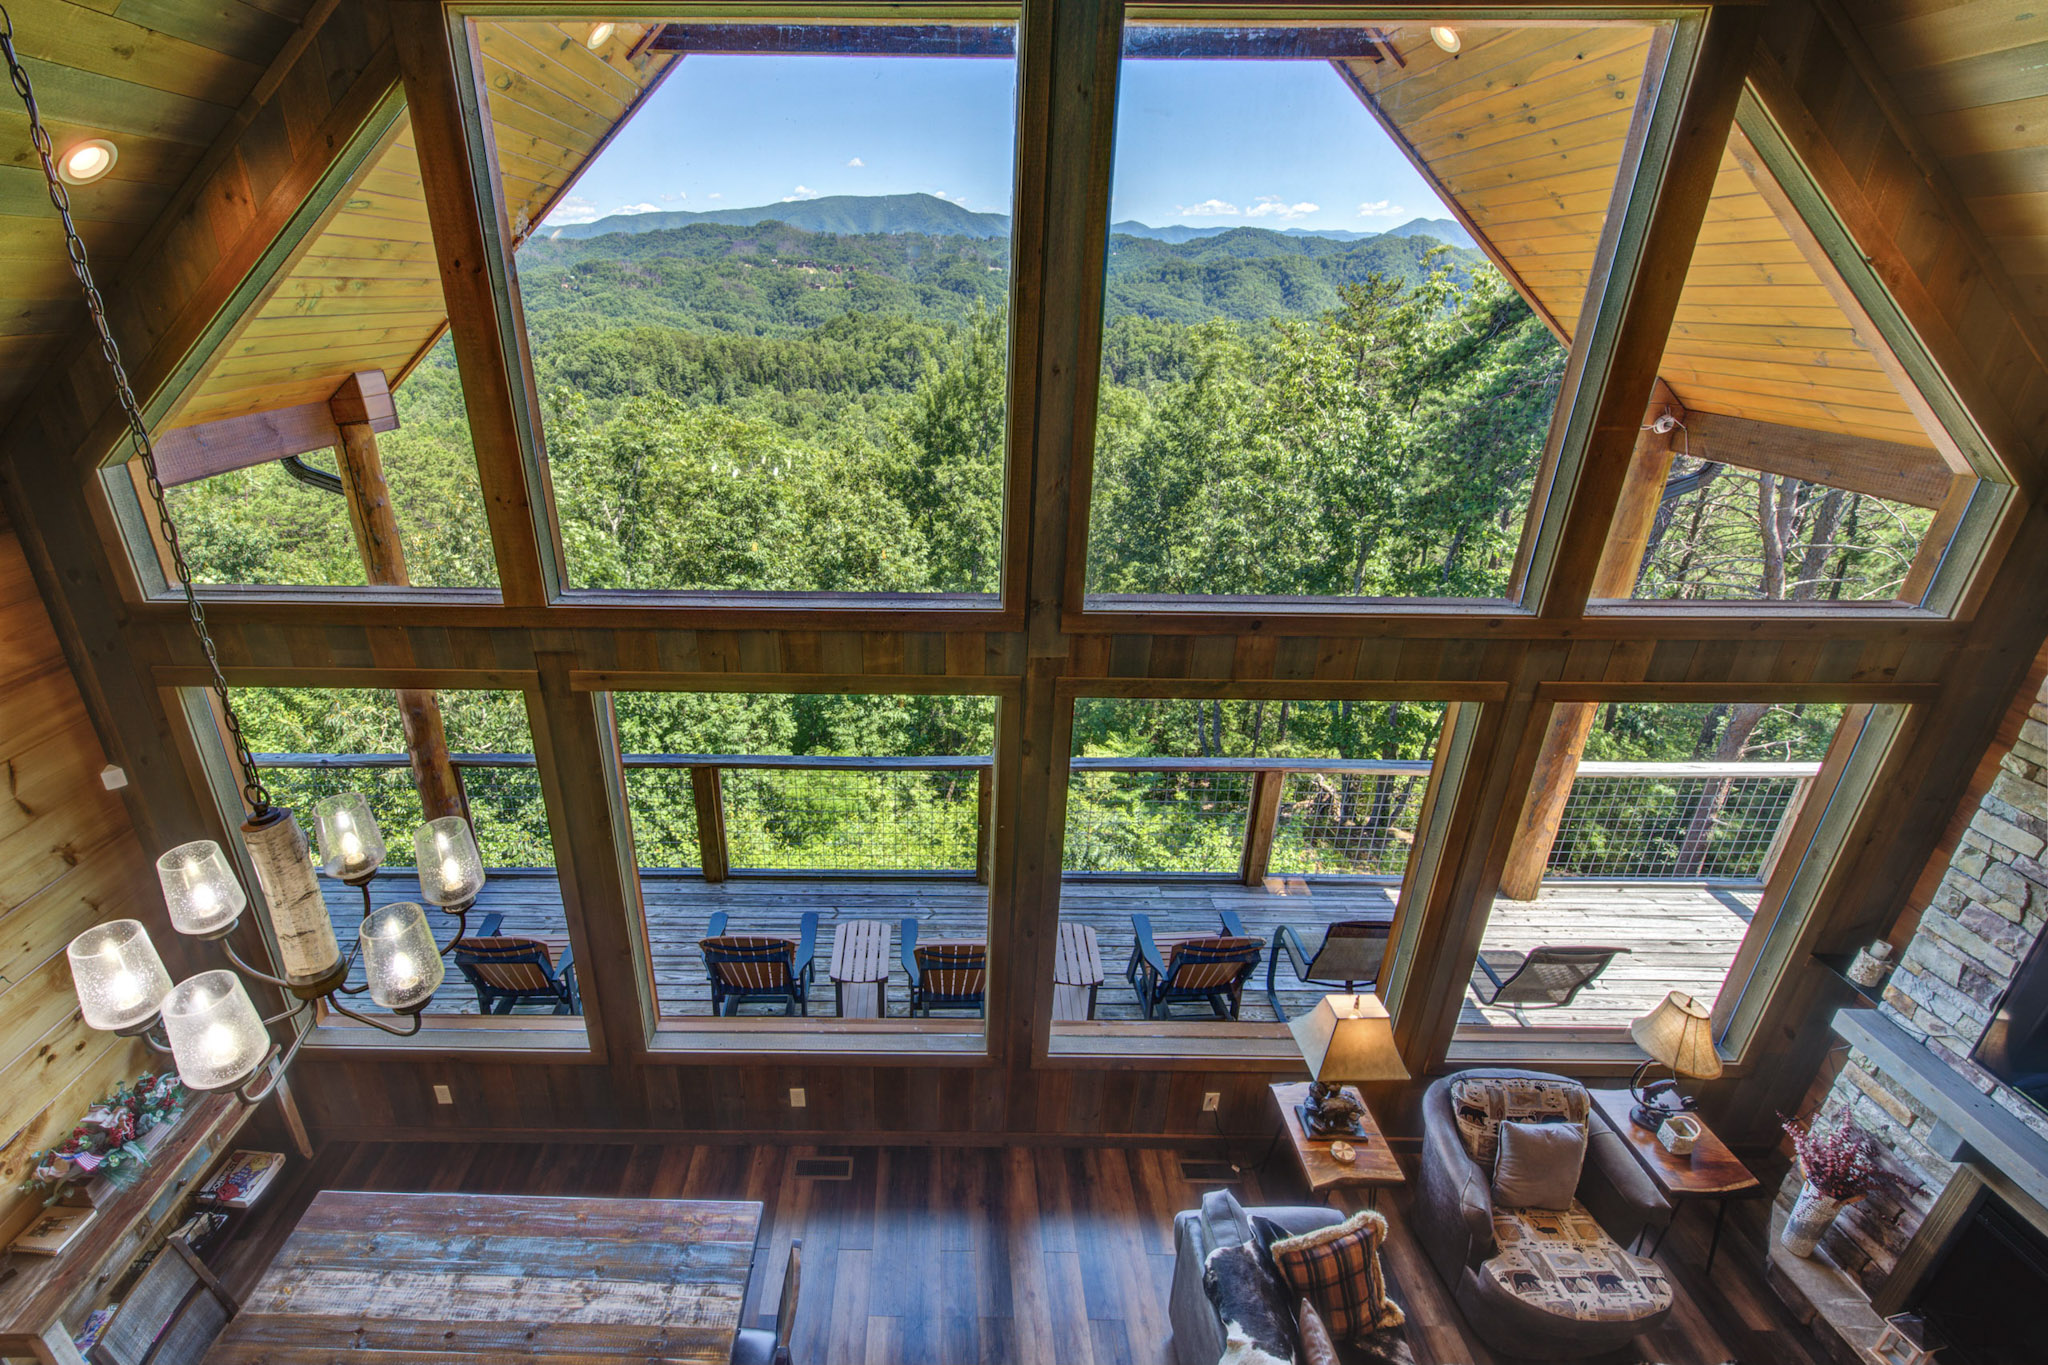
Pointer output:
1332, 817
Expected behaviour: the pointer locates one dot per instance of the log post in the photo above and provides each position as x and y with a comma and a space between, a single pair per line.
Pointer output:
1262, 822
361, 406
706, 791
984, 823
1570, 722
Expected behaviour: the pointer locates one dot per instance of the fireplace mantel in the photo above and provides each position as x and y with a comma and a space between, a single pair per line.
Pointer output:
1976, 1129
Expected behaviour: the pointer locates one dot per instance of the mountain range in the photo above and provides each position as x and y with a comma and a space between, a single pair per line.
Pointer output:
855, 215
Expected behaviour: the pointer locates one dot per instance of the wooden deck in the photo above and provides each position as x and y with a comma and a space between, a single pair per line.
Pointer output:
1681, 935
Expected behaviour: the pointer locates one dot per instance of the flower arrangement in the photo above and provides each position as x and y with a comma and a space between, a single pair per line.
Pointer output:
1838, 1160
110, 1139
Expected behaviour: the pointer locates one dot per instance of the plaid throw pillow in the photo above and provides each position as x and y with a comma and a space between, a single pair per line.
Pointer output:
1338, 1269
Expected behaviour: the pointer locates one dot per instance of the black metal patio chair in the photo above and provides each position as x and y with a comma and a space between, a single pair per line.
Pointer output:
1550, 977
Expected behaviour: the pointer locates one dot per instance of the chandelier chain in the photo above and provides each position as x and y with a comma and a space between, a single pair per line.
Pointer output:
253, 790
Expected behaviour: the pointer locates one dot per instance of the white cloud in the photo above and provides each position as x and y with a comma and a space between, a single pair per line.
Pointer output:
1381, 208
856, 162
1273, 206
671, 198
714, 195
949, 198
573, 210
800, 192
1211, 208
630, 209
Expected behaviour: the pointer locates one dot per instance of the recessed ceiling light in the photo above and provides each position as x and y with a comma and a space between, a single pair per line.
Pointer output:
1446, 37
600, 34
87, 162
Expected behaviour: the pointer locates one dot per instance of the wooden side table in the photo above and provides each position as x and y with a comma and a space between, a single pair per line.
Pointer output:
1708, 1171
860, 961
1374, 1168
1076, 968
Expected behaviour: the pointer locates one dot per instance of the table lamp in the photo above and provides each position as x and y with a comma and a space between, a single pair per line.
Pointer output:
1344, 1039
1678, 1035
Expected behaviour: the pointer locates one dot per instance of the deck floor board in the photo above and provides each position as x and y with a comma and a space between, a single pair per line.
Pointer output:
1681, 935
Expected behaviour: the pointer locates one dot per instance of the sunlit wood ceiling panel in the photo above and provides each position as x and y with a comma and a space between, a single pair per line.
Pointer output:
1524, 130
365, 291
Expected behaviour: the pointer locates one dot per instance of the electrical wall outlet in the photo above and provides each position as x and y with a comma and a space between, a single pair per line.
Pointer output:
113, 778
796, 1097
443, 1095
1212, 1100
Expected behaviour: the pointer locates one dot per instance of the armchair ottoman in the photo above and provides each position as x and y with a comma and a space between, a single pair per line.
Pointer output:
1538, 1283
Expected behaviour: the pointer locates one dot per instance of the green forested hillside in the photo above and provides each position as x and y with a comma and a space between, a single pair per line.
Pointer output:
765, 407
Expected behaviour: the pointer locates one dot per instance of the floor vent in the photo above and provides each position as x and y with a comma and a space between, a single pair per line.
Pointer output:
824, 1168
1207, 1172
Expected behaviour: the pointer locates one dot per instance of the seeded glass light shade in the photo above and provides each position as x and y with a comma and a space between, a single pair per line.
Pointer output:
400, 961
1680, 1034
351, 845
451, 868
200, 888
119, 978
216, 1036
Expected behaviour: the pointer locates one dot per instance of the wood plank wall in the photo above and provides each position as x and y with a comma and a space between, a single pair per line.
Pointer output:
68, 860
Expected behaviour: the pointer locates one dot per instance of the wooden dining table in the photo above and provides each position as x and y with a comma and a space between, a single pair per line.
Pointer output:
483, 1278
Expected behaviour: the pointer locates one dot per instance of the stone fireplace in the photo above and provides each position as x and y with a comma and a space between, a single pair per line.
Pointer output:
1953, 1137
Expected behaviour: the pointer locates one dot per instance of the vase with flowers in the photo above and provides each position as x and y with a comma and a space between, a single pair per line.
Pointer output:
1838, 1164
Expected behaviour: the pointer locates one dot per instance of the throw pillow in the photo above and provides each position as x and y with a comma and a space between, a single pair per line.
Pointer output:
1258, 1326
1316, 1346
1482, 1103
1538, 1166
1339, 1269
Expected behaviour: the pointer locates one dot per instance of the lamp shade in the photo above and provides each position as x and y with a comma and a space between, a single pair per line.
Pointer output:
1348, 1038
351, 845
451, 868
216, 1036
119, 978
200, 889
1680, 1034
401, 964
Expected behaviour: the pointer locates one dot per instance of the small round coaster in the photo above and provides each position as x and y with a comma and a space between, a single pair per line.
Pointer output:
1343, 1152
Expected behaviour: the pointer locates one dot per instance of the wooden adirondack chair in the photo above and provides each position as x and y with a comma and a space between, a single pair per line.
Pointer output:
1212, 969
944, 975
745, 967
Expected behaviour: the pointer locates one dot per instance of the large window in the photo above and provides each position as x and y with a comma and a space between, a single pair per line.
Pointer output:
1790, 458
360, 307
1316, 382
769, 323
775, 830
312, 744
1674, 826
1264, 831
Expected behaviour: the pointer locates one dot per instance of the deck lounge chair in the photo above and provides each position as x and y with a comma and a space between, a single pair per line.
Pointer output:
1351, 954
1548, 978
508, 971
944, 975
746, 967
1212, 969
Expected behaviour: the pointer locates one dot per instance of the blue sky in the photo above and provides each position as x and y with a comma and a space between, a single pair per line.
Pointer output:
1209, 143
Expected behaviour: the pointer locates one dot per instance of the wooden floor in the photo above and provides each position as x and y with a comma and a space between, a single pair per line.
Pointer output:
1681, 935
995, 1256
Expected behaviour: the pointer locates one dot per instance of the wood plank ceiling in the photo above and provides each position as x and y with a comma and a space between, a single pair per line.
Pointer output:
1524, 130
365, 293
160, 79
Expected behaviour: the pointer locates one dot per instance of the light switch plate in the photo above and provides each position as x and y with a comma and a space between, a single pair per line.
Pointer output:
797, 1099
443, 1095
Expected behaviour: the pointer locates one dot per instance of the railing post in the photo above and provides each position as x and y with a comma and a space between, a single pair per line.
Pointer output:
984, 822
711, 851
1262, 822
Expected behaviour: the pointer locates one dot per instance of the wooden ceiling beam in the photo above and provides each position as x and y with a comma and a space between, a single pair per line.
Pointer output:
189, 454
1890, 470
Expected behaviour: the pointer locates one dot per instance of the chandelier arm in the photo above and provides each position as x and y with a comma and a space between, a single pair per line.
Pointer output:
461, 913
245, 969
253, 790
375, 1022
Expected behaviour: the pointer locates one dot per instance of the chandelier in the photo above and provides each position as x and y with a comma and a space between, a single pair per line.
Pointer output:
207, 1022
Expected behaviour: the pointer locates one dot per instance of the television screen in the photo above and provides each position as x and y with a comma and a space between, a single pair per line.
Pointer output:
2014, 1047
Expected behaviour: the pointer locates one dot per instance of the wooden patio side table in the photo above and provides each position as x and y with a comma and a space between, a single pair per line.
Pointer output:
1076, 968
860, 961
